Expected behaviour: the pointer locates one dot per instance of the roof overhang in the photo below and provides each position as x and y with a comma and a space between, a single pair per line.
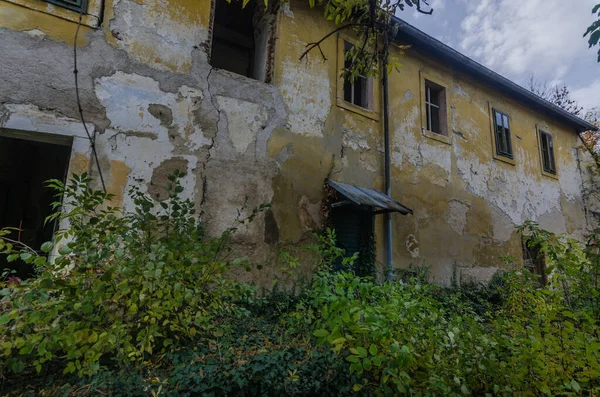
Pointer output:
428, 45
368, 198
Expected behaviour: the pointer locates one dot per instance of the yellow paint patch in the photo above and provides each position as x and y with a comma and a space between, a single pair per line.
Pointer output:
79, 164
118, 179
19, 18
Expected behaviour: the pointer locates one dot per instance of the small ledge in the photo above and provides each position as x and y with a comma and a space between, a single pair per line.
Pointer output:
358, 110
550, 175
437, 137
504, 159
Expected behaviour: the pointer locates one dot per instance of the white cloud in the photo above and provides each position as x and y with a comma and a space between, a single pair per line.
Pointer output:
588, 96
518, 38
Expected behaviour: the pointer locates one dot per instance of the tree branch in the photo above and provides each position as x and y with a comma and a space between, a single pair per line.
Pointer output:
311, 46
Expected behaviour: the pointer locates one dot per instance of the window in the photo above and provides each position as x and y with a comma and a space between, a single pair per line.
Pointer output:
502, 134
357, 92
435, 108
241, 39
534, 260
547, 149
75, 5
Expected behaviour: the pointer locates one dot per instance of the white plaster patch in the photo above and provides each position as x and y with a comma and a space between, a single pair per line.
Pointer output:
404, 141
456, 216
518, 194
127, 98
306, 90
244, 121
38, 34
354, 140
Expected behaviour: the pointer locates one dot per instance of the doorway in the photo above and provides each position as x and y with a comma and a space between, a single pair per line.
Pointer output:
25, 165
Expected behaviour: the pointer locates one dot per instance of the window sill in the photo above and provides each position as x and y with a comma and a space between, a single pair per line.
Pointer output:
358, 110
504, 159
91, 18
437, 137
550, 175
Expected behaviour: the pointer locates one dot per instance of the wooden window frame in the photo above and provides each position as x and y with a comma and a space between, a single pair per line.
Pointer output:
506, 136
436, 82
372, 112
549, 150
64, 9
443, 116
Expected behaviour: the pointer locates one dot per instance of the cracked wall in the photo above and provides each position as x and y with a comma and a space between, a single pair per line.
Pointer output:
155, 105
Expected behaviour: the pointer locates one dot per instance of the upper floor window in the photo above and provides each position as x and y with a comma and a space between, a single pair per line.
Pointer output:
359, 91
75, 5
547, 148
435, 108
502, 132
240, 39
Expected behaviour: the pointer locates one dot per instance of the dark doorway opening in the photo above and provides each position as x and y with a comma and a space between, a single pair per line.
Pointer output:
24, 201
354, 230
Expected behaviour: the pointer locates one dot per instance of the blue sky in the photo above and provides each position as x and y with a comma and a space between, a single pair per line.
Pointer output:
519, 38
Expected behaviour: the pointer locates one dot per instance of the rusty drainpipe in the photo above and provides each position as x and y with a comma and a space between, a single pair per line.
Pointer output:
386, 144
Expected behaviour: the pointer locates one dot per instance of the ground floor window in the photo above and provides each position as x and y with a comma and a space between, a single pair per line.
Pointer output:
24, 201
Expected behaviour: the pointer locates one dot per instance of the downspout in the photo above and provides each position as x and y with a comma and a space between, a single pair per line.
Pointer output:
386, 145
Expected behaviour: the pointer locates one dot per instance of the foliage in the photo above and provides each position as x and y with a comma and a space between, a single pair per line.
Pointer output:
594, 30
121, 287
558, 94
100, 319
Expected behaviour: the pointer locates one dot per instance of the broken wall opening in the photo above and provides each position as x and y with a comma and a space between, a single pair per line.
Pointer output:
242, 39
24, 200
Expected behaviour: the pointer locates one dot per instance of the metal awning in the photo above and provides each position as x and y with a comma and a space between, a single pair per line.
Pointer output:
364, 197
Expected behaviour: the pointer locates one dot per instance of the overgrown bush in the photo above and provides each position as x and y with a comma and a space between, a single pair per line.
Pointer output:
139, 304
123, 286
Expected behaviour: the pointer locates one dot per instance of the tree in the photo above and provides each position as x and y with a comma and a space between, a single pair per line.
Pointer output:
557, 94
372, 22
594, 30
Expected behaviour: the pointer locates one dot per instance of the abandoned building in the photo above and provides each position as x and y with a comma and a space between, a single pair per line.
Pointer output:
219, 92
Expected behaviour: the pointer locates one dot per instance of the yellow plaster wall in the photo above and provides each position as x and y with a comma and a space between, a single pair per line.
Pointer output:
466, 202
54, 25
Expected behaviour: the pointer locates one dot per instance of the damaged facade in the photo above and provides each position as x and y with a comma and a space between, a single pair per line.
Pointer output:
175, 84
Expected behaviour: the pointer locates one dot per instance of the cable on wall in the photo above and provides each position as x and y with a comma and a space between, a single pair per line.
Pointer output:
75, 73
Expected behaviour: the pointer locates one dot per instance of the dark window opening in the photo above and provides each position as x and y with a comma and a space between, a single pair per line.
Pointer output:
356, 92
534, 260
75, 5
502, 133
547, 152
241, 38
24, 200
354, 230
435, 108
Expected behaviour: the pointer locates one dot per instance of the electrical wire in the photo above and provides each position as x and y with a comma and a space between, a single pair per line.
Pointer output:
87, 132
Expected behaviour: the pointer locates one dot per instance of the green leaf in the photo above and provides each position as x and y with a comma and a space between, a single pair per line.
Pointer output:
357, 387
47, 246
353, 359
320, 333
362, 351
373, 349
575, 386
12, 257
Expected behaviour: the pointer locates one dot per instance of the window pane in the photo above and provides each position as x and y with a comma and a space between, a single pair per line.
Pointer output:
500, 141
508, 141
435, 120
347, 91
498, 118
505, 118
364, 84
435, 96
428, 116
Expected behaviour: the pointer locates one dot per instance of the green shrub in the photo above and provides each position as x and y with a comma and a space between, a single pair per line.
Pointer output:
123, 286
139, 304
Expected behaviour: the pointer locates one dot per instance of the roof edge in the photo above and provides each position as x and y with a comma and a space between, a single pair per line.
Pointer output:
446, 52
